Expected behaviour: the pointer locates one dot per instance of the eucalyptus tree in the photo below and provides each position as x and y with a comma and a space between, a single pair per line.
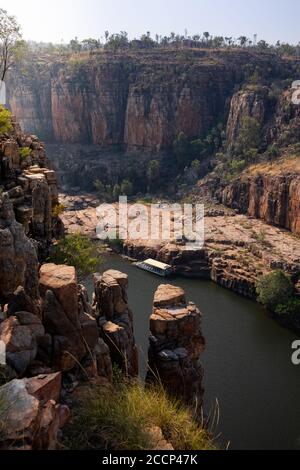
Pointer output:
11, 44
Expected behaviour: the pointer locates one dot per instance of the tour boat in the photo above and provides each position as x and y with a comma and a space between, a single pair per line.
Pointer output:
155, 267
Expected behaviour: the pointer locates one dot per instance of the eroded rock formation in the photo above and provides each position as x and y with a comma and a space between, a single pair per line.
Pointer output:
115, 319
30, 185
73, 330
176, 343
237, 251
273, 198
254, 103
18, 257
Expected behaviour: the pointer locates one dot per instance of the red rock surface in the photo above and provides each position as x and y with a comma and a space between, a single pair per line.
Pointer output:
176, 343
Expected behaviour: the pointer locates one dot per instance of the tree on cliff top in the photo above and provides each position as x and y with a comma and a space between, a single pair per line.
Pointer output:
11, 44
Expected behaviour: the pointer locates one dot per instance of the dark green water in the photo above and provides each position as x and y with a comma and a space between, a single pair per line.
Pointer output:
247, 361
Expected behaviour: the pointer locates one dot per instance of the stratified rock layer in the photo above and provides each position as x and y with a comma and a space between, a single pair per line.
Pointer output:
29, 182
136, 99
266, 195
28, 192
115, 319
73, 332
18, 257
176, 343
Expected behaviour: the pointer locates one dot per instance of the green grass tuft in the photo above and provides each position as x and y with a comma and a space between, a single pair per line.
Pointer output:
119, 419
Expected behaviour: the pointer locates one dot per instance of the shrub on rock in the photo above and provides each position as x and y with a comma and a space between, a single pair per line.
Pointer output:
274, 290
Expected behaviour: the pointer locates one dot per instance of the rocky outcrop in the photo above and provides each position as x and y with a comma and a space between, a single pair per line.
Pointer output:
32, 417
73, 330
266, 194
157, 110
57, 330
138, 100
115, 319
237, 251
18, 257
251, 102
29, 183
176, 343
21, 335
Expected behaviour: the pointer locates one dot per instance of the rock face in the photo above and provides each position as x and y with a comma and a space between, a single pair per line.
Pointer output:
115, 319
237, 251
176, 343
28, 191
267, 194
29, 183
21, 335
18, 257
247, 103
72, 332
141, 101
32, 417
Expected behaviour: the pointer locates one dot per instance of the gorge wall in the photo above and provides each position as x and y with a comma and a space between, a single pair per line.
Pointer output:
269, 190
273, 198
28, 193
140, 100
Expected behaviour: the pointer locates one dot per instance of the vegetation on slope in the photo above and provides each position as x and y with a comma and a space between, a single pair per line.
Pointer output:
5, 120
277, 293
120, 419
78, 251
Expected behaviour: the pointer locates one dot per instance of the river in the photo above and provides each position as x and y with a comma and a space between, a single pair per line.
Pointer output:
247, 362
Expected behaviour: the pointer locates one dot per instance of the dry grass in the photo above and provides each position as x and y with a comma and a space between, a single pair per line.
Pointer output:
290, 164
119, 419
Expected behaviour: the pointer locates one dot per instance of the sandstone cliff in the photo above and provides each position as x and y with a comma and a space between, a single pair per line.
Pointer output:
253, 103
28, 193
29, 182
270, 192
140, 100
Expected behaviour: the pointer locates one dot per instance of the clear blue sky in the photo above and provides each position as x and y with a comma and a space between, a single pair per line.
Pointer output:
54, 20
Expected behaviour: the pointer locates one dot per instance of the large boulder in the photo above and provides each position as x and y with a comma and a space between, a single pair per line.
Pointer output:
62, 281
19, 301
32, 418
20, 334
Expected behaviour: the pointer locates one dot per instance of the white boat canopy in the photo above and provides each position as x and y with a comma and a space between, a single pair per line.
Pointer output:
157, 264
